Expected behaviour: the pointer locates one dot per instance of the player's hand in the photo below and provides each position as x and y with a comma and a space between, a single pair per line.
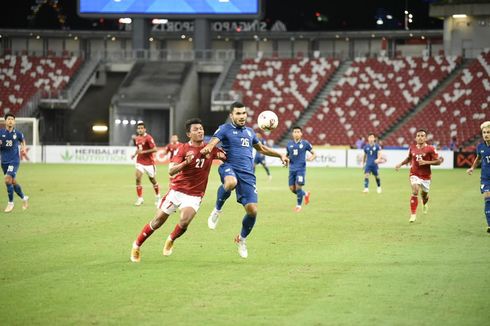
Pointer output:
221, 156
470, 171
422, 162
206, 150
189, 156
285, 160
397, 167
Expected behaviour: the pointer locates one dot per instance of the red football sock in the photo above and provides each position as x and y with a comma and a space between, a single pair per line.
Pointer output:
414, 201
145, 233
425, 199
177, 232
156, 187
139, 191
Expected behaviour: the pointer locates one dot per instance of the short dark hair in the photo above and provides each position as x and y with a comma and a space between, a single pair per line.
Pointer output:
371, 133
298, 127
140, 123
191, 122
422, 130
9, 115
236, 105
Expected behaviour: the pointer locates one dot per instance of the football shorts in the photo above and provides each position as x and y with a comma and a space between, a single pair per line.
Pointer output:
424, 184
246, 189
150, 170
297, 178
176, 199
371, 168
10, 169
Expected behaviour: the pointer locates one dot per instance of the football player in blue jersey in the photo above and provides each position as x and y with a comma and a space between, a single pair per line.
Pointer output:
237, 172
370, 160
10, 141
296, 151
483, 156
260, 158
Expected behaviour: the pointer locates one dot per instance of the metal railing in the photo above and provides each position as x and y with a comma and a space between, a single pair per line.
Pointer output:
163, 55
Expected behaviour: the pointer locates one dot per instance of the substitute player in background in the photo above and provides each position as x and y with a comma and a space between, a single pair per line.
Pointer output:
296, 151
10, 141
145, 161
260, 158
172, 146
370, 160
191, 171
422, 156
483, 156
238, 171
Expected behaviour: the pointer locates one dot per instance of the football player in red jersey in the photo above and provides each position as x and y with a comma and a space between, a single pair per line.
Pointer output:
145, 161
191, 171
421, 156
172, 146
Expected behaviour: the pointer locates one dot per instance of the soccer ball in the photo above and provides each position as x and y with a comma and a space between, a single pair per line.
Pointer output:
267, 120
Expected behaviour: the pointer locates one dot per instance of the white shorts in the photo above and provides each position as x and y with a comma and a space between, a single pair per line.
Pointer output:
151, 170
175, 199
424, 184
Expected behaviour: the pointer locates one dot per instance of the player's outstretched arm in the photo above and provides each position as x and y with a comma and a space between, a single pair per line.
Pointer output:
270, 152
405, 161
209, 147
474, 165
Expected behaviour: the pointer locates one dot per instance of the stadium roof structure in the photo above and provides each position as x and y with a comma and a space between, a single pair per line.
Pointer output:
448, 8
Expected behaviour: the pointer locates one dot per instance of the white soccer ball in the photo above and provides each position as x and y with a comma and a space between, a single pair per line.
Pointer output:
267, 120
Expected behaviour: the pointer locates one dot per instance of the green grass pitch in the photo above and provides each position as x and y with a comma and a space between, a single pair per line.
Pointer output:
347, 259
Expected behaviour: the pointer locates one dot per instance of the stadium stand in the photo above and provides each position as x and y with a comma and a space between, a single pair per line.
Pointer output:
21, 77
374, 94
285, 86
457, 111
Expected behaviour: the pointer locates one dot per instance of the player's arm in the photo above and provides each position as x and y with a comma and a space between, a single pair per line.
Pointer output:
405, 161
209, 147
436, 160
364, 158
474, 165
174, 168
312, 156
379, 158
23, 147
259, 147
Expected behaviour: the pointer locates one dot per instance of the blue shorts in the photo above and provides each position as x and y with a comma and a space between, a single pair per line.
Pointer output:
372, 168
297, 177
246, 190
10, 169
484, 186
259, 159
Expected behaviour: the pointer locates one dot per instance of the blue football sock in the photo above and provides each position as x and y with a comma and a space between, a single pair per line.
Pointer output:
366, 182
247, 225
10, 192
378, 181
299, 195
487, 210
18, 190
223, 195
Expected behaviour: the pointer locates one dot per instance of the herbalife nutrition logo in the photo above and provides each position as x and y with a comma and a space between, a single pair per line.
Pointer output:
67, 156
94, 155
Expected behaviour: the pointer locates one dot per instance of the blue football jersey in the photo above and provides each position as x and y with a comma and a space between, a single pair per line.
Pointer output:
296, 152
9, 145
237, 142
483, 152
371, 153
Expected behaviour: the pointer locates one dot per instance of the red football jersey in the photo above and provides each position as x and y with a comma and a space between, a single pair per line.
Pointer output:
193, 179
170, 149
144, 143
426, 153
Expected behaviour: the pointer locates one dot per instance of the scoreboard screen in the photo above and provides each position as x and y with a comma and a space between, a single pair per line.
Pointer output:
170, 8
